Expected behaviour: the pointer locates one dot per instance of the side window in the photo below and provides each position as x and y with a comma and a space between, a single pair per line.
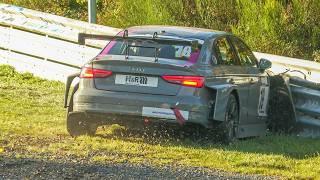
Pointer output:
224, 52
244, 53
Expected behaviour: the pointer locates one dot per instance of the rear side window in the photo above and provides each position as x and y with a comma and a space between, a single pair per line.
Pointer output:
224, 52
244, 53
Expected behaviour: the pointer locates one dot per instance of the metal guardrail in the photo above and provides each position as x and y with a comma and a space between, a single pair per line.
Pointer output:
306, 97
47, 46
49, 24
309, 69
44, 44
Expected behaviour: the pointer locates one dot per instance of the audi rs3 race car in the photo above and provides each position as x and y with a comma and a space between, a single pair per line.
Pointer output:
177, 75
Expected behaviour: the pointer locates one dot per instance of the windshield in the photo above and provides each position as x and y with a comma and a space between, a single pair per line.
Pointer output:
179, 53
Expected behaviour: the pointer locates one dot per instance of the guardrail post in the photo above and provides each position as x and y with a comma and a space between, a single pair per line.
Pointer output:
92, 11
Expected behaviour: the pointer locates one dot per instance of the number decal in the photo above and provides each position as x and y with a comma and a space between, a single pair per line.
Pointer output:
179, 50
263, 100
186, 51
183, 51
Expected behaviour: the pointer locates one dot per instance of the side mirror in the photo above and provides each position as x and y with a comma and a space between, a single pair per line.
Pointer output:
264, 64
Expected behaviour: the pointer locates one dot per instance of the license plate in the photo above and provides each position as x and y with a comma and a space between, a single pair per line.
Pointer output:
136, 80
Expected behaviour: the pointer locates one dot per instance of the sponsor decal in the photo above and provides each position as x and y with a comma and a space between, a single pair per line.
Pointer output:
263, 100
163, 113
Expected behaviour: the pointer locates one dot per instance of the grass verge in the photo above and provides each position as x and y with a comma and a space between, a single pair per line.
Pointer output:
32, 124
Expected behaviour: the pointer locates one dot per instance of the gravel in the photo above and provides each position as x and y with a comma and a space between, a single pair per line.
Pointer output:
13, 168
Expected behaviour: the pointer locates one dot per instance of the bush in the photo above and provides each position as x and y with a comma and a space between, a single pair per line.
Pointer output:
316, 56
259, 23
125, 13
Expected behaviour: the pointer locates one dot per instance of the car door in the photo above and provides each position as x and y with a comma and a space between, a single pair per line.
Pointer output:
227, 69
258, 82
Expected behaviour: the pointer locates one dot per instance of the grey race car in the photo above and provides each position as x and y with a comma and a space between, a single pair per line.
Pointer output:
175, 75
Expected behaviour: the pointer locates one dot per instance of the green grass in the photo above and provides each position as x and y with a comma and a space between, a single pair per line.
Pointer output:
32, 124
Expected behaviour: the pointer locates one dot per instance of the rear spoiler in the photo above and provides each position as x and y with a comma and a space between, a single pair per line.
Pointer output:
170, 41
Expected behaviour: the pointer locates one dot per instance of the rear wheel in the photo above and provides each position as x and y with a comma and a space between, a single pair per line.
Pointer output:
77, 125
230, 125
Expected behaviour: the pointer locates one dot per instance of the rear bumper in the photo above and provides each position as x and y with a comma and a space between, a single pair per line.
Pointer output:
116, 105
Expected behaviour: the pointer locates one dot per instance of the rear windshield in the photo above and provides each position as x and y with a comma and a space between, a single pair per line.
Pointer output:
135, 48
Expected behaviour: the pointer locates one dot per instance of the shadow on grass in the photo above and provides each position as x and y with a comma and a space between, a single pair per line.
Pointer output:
199, 138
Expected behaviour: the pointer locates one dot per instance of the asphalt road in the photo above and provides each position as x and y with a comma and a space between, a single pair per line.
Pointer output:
12, 168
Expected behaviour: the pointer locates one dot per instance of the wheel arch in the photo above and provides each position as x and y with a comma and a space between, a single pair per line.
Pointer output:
223, 92
69, 82
70, 104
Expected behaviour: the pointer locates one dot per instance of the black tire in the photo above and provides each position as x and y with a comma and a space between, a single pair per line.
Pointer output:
281, 113
230, 125
72, 128
77, 125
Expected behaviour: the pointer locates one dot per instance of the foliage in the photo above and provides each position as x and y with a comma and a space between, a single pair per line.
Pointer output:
316, 56
75, 9
123, 13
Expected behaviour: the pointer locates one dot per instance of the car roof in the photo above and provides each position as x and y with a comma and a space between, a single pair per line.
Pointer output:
177, 31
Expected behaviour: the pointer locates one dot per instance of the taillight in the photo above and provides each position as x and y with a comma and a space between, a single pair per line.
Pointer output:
192, 81
88, 72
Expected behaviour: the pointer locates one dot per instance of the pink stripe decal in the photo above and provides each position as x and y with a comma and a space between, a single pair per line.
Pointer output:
179, 116
194, 56
110, 45
108, 48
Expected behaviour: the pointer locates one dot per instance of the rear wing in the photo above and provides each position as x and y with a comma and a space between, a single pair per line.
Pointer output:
155, 38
